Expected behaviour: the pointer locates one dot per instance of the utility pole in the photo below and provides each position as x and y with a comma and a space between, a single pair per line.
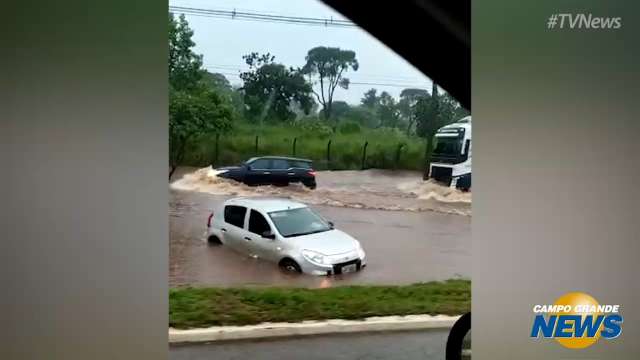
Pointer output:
429, 138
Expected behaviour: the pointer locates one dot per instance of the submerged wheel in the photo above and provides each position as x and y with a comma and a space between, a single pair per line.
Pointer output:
290, 265
213, 240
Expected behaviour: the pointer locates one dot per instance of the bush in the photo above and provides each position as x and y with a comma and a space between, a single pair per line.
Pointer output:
316, 129
349, 127
312, 138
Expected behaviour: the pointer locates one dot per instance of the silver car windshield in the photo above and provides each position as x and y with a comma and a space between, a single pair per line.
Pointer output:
297, 222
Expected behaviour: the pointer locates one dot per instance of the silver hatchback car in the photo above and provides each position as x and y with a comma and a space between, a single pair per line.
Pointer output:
285, 232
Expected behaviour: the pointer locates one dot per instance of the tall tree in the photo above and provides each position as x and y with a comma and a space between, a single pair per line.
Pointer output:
329, 64
429, 120
216, 81
364, 116
220, 84
370, 98
432, 113
271, 88
192, 114
339, 109
184, 65
194, 109
387, 110
408, 99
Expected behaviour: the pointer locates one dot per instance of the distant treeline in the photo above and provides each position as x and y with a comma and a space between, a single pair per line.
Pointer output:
297, 103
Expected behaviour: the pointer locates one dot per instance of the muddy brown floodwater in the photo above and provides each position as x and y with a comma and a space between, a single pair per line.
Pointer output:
412, 231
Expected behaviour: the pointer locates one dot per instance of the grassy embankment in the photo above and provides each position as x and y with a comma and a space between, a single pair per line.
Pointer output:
204, 307
346, 146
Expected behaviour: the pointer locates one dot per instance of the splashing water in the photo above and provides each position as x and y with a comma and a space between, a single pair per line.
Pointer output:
430, 189
368, 189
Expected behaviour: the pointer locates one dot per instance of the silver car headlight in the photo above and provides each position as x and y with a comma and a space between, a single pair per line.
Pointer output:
314, 257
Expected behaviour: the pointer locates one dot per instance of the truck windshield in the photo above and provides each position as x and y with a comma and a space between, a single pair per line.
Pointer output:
298, 222
447, 146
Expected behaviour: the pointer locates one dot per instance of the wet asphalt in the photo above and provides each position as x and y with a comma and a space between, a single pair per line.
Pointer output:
421, 345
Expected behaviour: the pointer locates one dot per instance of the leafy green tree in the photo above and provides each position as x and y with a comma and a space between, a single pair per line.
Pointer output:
431, 114
192, 114
270, 89
452, 108
339, 108
194, 108
329, 64
387, 110
184, 65
408, 99
370, 103
370, 98
216, 81
364, 116
384, 108
219, 83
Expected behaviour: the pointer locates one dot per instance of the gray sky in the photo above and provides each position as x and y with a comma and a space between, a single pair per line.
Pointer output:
224, 41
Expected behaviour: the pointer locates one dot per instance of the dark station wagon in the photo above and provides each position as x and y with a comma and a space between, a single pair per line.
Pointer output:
272, 170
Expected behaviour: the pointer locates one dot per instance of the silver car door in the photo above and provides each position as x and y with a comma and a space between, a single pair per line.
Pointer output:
233, 227
265, 248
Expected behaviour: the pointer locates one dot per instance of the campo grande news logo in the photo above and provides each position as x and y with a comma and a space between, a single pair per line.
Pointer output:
576, 320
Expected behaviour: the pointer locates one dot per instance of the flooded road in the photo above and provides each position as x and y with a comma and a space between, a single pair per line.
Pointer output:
368, 189
408, 242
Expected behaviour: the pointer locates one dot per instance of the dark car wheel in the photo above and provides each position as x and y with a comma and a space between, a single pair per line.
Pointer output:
310, 186
290, 265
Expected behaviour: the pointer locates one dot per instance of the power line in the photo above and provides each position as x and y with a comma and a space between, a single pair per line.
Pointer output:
263, 17
412, 86
390, 85
189, 3
269, 16
399, 81
364, 77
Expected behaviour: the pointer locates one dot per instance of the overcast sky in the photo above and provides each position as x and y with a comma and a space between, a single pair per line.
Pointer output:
224, 41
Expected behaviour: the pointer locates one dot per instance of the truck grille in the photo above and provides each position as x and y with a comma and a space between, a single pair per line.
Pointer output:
441, 174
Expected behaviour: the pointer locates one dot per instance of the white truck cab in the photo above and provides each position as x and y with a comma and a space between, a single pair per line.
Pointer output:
451, 156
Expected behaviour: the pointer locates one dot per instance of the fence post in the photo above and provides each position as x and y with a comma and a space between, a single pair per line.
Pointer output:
329, 155
364, 154
217, 150
295, 140
256, 149
395, 164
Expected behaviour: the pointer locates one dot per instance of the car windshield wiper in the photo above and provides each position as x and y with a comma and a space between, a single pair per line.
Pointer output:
308, 232
299, 234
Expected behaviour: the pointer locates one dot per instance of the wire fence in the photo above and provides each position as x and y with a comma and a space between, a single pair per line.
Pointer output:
328, 154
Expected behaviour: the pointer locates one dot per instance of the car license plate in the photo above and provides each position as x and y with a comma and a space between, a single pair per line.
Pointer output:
349, 268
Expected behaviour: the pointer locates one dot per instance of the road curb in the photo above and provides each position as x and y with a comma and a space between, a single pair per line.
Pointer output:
334, 326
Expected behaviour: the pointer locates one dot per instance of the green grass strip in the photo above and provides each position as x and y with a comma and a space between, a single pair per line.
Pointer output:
204, 307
